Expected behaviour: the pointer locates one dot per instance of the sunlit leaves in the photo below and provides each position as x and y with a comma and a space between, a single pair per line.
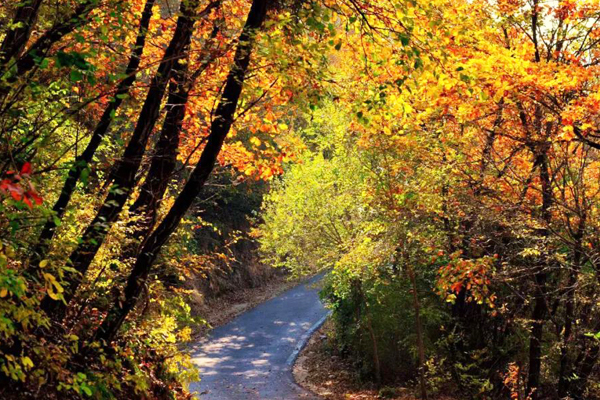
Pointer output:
469, 276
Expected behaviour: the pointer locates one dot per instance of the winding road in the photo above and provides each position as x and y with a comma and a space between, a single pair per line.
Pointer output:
251, 357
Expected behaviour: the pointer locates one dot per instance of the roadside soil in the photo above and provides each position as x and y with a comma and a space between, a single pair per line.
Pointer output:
224, 308
320, 370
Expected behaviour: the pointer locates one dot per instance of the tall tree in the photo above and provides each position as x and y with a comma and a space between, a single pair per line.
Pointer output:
164, 158
221, 124
85, 158
19, 31
40, 48
123, 175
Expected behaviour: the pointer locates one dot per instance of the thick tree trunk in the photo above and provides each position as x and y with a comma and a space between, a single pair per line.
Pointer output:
123, 177
83, 160
16, 38
164, 159
220, 127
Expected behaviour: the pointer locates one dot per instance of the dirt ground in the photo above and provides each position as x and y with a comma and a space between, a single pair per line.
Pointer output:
220, 310
321, 371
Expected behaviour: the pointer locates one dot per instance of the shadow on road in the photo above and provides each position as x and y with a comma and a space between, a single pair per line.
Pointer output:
250, 357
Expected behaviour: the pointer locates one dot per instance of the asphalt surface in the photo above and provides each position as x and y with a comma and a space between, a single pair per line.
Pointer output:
252, 356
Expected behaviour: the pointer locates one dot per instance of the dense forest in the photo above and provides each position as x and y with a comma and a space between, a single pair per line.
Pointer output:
439, 160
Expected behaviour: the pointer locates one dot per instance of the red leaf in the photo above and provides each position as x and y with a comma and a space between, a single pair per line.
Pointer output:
26, 169
15, 194
4, 185
27, 201
15, 191
456, 287
36, 197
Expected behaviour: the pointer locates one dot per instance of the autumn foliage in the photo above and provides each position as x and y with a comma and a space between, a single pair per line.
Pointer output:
467, 167
440, 158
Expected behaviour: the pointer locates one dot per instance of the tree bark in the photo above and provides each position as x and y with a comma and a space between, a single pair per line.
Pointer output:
540, 277
164, 160
376, 362
535, 341
220, 127
585, 365
79, 17
565, 368
83, 160
419, 328
123, 177
16, 38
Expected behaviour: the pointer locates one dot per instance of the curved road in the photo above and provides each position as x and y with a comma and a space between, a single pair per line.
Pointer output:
252, 356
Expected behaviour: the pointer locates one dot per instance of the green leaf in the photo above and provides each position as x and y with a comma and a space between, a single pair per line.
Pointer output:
76, 76
404, 39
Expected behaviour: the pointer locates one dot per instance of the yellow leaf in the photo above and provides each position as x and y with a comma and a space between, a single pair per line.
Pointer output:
49, 277
27, 363
52, 294
3, 292
53, 287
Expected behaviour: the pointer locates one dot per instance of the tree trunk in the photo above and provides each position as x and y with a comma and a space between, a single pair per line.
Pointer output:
79, 17
220, 127
164, 159
584, 367
565, 368
535, 342
16, 38
123, 177
83, 160
376, 362
419, 328
540, 276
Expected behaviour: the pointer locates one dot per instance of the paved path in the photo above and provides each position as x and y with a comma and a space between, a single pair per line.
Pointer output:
251, 357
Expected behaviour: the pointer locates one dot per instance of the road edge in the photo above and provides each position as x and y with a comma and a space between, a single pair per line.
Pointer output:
298, 349
291, 360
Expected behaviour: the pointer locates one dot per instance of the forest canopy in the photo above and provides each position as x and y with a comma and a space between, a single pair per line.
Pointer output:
438, 159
